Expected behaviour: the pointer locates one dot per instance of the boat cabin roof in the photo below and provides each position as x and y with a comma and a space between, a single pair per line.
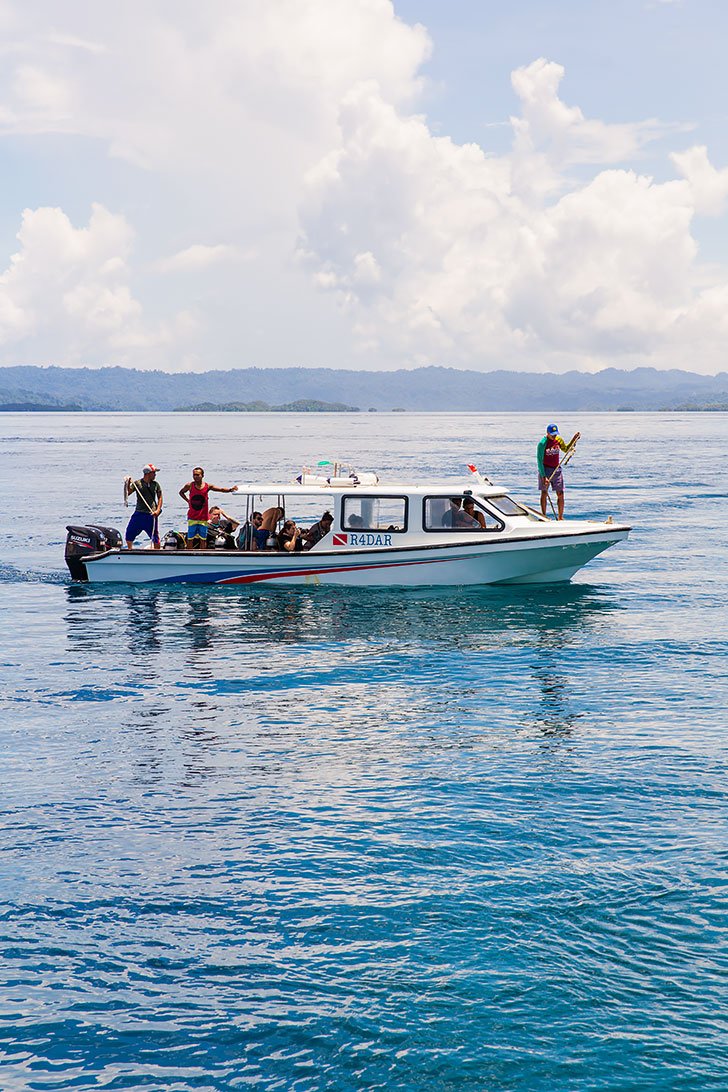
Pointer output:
293, 489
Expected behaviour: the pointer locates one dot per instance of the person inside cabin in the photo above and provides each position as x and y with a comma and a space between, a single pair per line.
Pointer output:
470, 515
289, 537
198, 513
220, 523
450, 517
268, 524
355, 522
246, 536
318, 531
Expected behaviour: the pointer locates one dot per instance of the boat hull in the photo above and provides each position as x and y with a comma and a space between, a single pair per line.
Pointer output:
543, 559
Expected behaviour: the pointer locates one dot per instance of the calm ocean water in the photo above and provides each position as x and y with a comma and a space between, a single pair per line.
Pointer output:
317, 838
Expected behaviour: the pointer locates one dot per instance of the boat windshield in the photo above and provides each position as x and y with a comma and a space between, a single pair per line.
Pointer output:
509, 507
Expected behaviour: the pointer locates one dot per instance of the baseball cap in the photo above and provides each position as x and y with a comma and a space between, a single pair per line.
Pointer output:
150, 468
552, 430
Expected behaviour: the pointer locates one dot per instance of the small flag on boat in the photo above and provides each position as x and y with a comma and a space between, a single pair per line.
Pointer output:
482, 478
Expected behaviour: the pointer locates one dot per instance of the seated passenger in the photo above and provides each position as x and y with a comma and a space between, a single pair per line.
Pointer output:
452, 514
355, 522
289, 537
246, 537
470, 516
318, 531
220, 523
268, 525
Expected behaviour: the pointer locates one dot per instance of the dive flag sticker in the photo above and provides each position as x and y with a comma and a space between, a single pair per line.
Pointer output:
340, 540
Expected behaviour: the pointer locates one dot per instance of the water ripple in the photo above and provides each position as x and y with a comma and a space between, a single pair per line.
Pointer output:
323, 838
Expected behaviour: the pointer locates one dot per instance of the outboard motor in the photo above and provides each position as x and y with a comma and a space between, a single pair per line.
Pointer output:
81, 542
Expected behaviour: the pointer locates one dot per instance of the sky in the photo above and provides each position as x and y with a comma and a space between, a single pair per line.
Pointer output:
364, 184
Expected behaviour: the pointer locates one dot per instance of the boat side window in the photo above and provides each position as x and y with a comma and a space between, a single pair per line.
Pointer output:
364, 513
460, 513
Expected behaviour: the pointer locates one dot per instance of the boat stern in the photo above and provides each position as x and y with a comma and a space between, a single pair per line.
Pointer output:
85, 543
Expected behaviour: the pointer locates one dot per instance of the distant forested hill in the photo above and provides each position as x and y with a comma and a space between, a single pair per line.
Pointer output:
434, 388
303, 405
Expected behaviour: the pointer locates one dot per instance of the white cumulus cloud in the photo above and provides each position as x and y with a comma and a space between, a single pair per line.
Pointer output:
200, 256
510, 260
289, 135
70, 286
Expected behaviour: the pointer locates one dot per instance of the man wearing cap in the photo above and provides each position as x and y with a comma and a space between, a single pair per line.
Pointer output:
548, 454
148, 494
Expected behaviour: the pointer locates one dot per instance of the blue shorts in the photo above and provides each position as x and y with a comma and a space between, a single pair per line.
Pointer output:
557, 481
142, 521
196, 530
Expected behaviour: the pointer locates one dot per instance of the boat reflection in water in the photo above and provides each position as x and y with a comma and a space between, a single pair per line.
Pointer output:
311, 663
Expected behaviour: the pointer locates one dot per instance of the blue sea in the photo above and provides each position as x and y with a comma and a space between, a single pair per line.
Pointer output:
311, 838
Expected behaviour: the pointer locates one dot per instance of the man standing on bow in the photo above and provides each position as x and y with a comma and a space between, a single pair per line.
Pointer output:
148, 493
548, 454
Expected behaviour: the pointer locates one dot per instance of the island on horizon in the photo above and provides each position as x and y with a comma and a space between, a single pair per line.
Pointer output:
302, 405
435, 388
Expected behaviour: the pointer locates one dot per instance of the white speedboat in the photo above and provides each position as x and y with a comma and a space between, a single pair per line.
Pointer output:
383, 534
